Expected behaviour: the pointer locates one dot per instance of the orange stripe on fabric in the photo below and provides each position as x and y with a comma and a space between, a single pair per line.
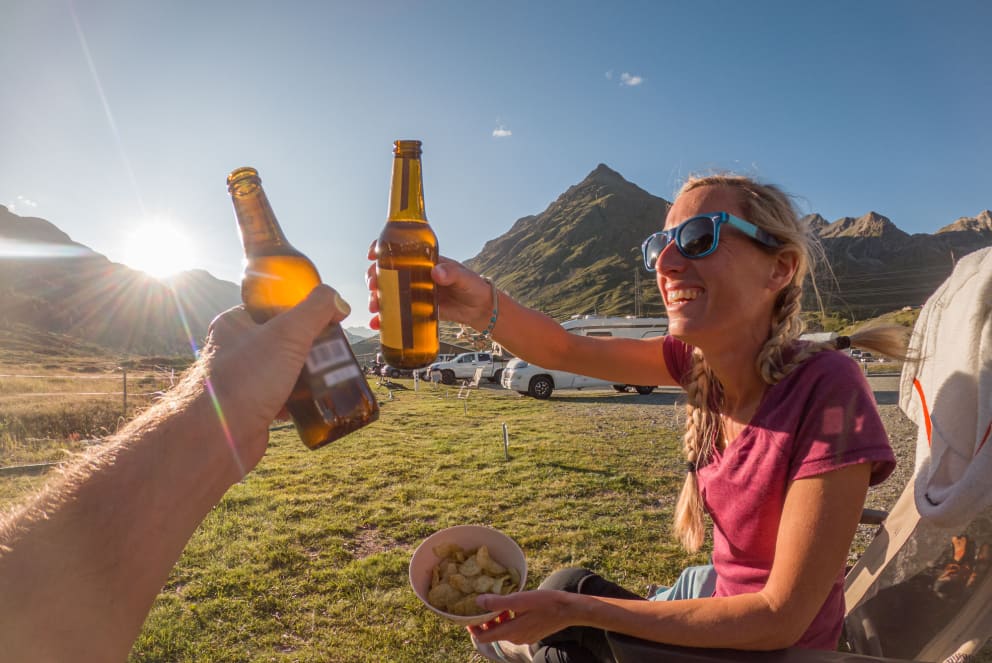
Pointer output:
984, 439
926, 411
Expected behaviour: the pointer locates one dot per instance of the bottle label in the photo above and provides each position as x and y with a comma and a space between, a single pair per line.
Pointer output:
330, 362
396, 314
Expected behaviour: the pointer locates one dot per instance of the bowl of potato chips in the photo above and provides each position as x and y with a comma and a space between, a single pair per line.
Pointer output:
454, 565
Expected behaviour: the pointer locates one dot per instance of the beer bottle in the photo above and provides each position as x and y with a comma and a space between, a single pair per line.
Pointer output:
406, 252
331, 398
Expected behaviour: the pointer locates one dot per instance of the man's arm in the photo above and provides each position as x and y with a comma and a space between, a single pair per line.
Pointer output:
82, 561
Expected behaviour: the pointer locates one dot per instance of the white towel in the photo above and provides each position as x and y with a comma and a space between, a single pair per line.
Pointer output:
953, 339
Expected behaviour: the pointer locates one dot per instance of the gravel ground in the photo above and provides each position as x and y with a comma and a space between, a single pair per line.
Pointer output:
902, 437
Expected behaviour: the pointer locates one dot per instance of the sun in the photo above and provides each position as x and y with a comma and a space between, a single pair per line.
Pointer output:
159, 249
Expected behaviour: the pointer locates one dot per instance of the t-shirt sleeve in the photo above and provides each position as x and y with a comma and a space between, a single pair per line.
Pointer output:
839, 424
678, 358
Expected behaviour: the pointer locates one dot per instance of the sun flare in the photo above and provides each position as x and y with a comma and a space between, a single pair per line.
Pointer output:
159, 249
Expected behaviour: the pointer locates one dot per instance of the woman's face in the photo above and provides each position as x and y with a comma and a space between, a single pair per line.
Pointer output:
714, 301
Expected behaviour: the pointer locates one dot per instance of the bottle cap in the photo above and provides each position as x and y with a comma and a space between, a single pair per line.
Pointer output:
241, 178
407, 148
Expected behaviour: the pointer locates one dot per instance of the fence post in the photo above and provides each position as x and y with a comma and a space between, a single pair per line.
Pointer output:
124, 390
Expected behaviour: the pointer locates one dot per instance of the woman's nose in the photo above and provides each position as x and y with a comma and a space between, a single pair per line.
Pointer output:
670, 259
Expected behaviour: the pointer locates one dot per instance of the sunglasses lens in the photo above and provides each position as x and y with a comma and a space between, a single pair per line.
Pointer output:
652, 249
696, 236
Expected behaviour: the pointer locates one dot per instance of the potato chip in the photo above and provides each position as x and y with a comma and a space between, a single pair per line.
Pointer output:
462, 575
470, 567
461, 583
490, 566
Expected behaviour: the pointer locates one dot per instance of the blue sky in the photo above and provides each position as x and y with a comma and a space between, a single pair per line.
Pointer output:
117, 113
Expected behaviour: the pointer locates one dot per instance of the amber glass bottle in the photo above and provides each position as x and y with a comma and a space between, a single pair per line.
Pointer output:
406, 252
331, 398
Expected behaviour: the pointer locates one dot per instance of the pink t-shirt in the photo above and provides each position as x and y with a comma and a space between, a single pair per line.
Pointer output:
819, 418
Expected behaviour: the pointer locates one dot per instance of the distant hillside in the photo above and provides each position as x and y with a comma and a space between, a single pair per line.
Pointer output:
880, 268
49, 282
579, 256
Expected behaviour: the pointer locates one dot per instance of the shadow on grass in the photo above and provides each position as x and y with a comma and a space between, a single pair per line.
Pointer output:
675, 397
573, 468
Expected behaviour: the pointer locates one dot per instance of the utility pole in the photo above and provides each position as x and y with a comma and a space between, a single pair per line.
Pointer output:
124, 389
637, 293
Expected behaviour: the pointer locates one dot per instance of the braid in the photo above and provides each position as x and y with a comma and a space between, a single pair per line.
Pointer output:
787, 325
702, 424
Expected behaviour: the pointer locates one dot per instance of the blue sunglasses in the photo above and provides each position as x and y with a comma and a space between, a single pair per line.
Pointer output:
699, 236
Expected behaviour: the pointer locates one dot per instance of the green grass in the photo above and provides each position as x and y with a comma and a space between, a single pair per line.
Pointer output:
306, 559
48, 406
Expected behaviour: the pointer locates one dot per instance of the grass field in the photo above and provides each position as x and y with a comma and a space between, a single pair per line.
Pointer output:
306, 559
50, 407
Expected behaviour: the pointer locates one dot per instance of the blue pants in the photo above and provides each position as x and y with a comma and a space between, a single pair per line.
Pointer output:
583, 644
695, 582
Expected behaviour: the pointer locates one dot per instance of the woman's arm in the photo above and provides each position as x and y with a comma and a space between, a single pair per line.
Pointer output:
818, 523
466, 298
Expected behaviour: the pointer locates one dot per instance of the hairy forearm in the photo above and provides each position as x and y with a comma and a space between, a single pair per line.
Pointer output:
81, 564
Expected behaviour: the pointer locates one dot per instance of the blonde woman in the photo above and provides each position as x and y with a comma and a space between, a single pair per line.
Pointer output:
782, 439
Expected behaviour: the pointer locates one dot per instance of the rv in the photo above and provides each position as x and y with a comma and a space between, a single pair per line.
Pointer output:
533, 380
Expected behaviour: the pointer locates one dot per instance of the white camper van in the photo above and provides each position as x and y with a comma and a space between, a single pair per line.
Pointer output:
530, 379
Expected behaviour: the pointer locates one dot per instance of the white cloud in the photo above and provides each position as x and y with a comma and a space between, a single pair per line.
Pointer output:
21, 202
501, 132
630, 80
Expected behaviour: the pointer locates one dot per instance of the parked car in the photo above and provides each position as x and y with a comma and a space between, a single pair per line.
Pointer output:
425, 373
533, 380
463, 367
388, 371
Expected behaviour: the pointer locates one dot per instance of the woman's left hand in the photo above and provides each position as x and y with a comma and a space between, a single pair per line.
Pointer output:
535, 615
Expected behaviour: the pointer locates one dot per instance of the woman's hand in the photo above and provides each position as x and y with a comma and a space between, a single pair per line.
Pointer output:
535, 615
462, 295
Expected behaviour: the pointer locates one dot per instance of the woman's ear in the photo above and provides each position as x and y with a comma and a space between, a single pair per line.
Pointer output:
784, 267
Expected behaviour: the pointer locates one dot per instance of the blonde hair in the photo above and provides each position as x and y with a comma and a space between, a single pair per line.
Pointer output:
772, 210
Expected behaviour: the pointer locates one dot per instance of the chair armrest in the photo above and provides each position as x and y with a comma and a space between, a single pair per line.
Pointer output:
627, 649
873, 516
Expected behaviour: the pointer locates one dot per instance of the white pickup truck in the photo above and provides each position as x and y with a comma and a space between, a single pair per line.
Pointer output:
530, 379
463, 367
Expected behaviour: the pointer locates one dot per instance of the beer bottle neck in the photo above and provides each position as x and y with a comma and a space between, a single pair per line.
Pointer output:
406, 194
259, 228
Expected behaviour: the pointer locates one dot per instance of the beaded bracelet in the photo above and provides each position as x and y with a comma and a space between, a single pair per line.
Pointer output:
492, 320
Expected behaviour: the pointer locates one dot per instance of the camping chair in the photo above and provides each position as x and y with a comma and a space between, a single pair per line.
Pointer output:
468, 385
922, 590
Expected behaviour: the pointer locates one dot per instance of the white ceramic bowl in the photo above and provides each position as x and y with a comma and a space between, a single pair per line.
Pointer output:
502, 549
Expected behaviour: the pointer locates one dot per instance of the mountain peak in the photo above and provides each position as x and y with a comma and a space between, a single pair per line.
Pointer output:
604, 172
601, 181
815, 222
592, 230
30, 229
982, 223
871, 224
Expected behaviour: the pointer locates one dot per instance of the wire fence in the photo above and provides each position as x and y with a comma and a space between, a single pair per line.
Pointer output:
162, 379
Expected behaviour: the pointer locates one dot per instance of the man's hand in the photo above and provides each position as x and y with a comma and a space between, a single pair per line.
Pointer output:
82, 561
252, 368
